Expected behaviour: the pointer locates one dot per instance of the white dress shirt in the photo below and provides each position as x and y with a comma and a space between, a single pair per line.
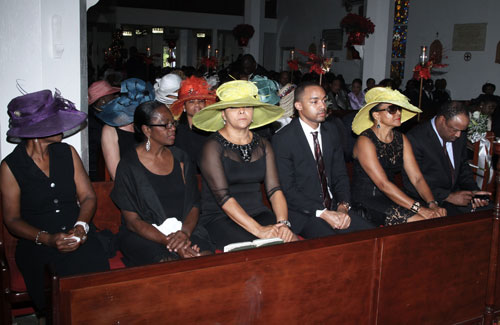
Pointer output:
449, 145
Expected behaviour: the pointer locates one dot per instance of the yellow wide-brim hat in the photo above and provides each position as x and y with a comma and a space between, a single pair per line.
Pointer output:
237, 93
379, 95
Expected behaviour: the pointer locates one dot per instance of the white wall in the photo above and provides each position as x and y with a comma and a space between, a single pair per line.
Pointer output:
428, 17
303, 22
26, 55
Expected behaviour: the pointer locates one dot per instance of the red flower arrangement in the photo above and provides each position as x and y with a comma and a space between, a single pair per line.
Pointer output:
243, 32
318, 64
424, 72
358, 27
293, 64
209, 62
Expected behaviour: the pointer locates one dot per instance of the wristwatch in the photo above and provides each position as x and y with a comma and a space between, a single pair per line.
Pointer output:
286, 223
431, 202
345, 204
84, 225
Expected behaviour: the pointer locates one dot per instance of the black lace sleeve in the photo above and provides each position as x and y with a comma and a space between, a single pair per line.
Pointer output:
213, 170
271, 181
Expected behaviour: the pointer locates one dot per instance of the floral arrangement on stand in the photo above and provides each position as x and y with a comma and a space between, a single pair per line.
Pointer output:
209, 62
358, 28
478, 126
243, 33
424, 72
318, 64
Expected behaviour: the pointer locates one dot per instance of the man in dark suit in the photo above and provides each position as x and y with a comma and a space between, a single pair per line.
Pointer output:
446, 171
312, 170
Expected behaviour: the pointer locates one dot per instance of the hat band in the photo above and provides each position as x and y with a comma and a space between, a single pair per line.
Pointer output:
49, 109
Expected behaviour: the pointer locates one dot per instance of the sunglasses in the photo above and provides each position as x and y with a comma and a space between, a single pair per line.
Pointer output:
392, 109
166, 126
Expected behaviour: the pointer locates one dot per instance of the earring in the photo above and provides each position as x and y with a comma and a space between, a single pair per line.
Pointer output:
378, 125
36, 140
148, 145
223, 120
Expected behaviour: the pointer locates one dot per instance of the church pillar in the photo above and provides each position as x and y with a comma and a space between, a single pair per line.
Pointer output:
377, 50
254, 14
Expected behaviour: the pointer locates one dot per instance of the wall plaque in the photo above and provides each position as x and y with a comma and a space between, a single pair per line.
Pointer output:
469, 37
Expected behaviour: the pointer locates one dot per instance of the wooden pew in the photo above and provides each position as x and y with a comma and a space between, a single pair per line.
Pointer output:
430, 272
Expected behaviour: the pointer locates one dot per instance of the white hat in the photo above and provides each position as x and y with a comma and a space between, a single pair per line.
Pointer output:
168, 85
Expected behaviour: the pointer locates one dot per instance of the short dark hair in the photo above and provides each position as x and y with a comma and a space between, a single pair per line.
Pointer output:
143, 115
299, 91
488, 84
357, 80
451, 109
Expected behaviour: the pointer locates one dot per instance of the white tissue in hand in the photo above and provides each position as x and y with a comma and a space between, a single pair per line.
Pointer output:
169, 226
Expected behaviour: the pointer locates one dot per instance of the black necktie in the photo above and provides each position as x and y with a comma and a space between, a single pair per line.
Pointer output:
320, 164
452, 170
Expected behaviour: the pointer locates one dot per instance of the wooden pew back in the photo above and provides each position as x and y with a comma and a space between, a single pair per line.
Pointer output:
431, 272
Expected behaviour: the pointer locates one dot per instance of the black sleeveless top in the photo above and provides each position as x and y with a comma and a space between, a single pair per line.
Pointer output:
126, 140
47, 203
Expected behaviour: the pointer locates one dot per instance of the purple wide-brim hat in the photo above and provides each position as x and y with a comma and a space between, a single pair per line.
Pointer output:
40, 115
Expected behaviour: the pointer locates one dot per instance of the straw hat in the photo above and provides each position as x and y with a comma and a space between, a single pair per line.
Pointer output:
237, 93
120, 111
100, 89
41, 114
192, 88
379, 95
287, 94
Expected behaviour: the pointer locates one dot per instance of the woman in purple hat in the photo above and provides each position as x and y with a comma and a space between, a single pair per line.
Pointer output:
47, 197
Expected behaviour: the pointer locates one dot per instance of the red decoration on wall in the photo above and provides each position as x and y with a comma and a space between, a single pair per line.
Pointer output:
293, 64
358, 28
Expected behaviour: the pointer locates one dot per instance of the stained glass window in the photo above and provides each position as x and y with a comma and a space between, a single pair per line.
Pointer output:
398, 69
399, 41
399, 35
401, 12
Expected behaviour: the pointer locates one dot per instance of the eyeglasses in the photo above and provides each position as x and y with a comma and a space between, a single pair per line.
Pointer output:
166, 126
392, 109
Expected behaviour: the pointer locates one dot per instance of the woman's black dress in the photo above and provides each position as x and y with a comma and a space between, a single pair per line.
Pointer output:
236, 171
126, 140
50, 204
381, 209
155, 198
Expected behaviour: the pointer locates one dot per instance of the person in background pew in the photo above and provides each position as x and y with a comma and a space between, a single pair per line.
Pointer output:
156, 183
234, 162
381, 152
446, 171
312, 170
194, 95
47, 197
118, 114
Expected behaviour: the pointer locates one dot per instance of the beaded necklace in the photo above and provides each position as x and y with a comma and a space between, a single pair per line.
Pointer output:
245, 150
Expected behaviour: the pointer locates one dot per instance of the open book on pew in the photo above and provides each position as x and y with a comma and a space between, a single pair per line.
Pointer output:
252, 244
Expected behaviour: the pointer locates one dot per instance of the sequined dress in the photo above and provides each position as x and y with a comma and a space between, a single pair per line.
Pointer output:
381, 210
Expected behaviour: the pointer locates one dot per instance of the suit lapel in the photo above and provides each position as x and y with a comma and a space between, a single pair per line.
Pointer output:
438, 147
326, 142
301, 142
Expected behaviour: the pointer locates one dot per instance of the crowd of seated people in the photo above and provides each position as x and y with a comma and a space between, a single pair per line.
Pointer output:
155, 139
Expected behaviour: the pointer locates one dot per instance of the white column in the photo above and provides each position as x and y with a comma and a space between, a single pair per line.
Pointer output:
182, 48
254, 14
26, 54
377, 51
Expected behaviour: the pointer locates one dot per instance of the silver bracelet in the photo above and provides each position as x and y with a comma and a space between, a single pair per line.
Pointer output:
38, 237
415, 207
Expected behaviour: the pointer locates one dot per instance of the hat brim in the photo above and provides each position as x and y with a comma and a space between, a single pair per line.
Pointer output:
362, 119
66, 122
210, 118
112, 90
177, 107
